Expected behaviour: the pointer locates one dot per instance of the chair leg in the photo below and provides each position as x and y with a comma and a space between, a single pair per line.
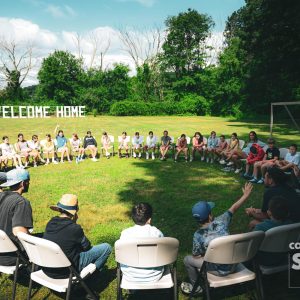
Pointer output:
197, 282
258, 282
30, 284
119, 290
175, 289
15, 278
69, 286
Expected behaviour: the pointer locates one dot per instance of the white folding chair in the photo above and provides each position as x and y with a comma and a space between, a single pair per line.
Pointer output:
112, 145
7, 246
231, 249
147, 253
277, 240
241, 143
48, 254
283, 152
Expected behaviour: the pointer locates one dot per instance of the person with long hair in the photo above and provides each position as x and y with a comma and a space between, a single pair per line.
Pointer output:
76, 147
123, 145
48, 148
182, 146
198, 145
106, 143
22, 148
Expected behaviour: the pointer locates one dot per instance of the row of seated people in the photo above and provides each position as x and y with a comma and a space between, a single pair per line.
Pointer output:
281, 206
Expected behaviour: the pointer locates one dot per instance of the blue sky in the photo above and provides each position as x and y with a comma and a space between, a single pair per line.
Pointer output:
57, 15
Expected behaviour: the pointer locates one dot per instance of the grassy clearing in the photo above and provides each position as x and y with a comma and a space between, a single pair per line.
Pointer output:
108, 189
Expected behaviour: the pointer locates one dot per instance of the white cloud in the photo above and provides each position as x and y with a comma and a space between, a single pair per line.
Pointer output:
57, 11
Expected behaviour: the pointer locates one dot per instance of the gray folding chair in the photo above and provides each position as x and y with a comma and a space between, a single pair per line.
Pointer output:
277, 240
47, 254
7, 246
231, 249
147, 253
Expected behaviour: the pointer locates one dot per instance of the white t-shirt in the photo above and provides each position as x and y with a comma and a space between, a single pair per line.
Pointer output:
34, 145
138, 274
7, 149
295, 159
136, 141
75, 144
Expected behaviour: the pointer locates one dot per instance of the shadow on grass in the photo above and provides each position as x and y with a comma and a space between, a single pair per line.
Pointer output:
172, 190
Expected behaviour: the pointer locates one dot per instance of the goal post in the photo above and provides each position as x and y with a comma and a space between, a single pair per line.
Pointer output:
285, 105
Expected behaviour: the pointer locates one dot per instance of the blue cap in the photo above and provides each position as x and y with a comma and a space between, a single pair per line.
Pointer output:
201, 210
15, 176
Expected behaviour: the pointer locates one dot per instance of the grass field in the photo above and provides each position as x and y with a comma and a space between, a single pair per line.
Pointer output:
107, 190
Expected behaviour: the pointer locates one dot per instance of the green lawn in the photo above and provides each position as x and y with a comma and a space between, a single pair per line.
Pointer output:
107, 190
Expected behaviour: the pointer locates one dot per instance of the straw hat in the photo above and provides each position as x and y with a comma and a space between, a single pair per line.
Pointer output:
67, 203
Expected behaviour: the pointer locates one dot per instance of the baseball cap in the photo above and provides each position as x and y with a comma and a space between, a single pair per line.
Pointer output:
15, 176
68, 203
2, 177
202, 209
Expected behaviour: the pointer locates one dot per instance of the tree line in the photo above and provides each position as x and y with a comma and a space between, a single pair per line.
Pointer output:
259, 64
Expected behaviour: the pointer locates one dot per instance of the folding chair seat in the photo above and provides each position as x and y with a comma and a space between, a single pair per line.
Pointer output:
47, 254
7, 246
277, 240
231, 249
112, 145
147, 253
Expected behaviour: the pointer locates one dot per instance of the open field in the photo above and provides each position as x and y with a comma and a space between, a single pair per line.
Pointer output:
107, 190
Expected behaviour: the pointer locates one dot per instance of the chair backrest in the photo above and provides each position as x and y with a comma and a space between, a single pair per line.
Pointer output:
147, 252
278, 239
127, 140
233, 249
265, 147
112, 138
228, 141
241, 143
42, 252
172, 139
283, 152
6, 244
204, 140
141, 138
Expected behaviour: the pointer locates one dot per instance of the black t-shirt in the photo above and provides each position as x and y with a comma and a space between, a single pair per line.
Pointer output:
289, 194
71, 239
271, 153
15, 211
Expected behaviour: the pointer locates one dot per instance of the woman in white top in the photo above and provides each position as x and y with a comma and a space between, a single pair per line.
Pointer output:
106, 144
150, 145
76, 147
35, 149
8, 152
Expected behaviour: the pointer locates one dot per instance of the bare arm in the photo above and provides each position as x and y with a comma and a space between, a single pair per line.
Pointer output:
19, 229
246, 193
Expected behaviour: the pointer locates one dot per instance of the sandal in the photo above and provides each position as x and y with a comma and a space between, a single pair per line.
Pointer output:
187, 288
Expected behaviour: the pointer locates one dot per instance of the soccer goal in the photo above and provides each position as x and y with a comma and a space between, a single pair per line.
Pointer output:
285, 105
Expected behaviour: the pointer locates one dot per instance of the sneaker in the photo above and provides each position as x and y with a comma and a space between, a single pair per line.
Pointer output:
187, 288
62, 162
18, 167
186, 160
153, 156
237, 171
108, 156
69, 161
134, 154
207, 160
260, 181
94, 159
222, 162
77, 160
161, 158
247, 176
147, 155
253, 180
230, 164
34, 165
191, 159
140, 155
55, 162
26, 165
175, 160
42, 160
202, 158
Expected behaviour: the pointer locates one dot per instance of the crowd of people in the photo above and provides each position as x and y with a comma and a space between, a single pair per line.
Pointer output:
280, 206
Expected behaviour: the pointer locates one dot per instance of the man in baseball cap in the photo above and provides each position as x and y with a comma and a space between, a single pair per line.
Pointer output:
64, 231
2, 179
210, 228
15, 210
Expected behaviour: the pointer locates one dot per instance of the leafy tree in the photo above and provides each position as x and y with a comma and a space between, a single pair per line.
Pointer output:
60, 78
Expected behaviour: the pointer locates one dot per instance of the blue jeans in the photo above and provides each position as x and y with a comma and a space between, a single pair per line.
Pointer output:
97, 255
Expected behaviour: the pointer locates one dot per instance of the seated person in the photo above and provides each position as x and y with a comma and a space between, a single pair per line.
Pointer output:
150, 145
212, 145
198, 145
278, 215
48, 148
291, 159
35, 148
165, 145
106, 144
210, 228
233, 148
22, 148
271, 156
123, 145
222, 145
8, 152
61, 144
64, 231
256, 154
89, 143
15, 211
182, 146
276, 185
141, 215
137, 145
76, 147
